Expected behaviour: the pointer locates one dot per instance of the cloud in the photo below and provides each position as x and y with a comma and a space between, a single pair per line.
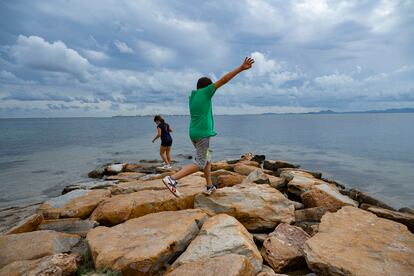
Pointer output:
263, 65
156, 54
123, 47
95, 55
36, 53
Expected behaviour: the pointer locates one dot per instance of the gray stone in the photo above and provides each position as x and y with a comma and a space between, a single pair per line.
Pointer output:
362, 197
69, 225
88, 185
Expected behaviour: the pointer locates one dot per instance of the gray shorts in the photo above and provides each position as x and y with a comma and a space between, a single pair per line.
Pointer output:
203, 153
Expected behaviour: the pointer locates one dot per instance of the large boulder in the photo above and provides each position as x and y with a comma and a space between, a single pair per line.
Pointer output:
326, 196
31, 223
257, 207
75, 204
57, 265
228, 265
115, 168
310, 214
221, 165
289, 173
89, 185
33, 245
404, 218
283, 248
356, 242
144, 245
126, 176
154, 197
221, 235
362, 198
223, 178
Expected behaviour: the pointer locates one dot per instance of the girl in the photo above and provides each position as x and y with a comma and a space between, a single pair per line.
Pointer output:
163, 131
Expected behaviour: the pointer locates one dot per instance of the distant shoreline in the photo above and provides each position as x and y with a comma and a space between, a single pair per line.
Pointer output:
321, 112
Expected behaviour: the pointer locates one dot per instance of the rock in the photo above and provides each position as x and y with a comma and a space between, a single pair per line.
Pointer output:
89, 185
114, 169
33, 245
97, 173
251, 163
27, 225
327, 197
259, 237
362, 197
75, 204
298, 205
310, 214
132, 167
283, 248
277, 182
153, 197
247, 156
406, 210
11, 217
356, 242
257, 176
221, 235
257, 207
69, 225
244, 169
289, 173
228, 265
274, 165
223, 178
126, 176
309, 227
268, 271
300, 184
221, 165
337, 185
144, 245
404, 218
58, 265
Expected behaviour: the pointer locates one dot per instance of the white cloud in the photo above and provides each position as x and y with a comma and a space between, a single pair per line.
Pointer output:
123, 47
35, 52
263, 65
156, 54
95, 55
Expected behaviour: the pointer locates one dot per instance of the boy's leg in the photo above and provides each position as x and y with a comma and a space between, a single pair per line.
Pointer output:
162, 154
207, 174
186, 170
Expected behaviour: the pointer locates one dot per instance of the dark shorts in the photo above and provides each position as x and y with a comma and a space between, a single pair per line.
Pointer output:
166, 143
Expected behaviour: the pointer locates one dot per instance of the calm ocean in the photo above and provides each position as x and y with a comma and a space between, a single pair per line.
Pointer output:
373, 152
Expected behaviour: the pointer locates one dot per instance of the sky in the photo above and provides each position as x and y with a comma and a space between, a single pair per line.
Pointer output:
64, 58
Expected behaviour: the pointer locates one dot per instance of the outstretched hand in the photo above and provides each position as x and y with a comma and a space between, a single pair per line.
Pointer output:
247, 63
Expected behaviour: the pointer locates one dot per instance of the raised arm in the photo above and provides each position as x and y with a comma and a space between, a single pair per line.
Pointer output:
247, 64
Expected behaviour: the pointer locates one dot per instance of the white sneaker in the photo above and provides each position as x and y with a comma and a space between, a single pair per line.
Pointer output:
171, 185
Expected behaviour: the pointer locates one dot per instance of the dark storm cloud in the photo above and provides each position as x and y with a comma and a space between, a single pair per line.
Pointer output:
128, 57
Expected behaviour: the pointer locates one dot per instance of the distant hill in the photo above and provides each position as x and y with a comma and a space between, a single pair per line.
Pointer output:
392, 110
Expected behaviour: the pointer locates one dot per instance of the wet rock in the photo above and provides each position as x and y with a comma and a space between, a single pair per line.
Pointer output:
132, 167
11, 217
229, 265
338, 185
283, 248
126, 176
356, 242
144, 245
75, 204
257, 207
89, 185
221, 235
58, 265
300, 184
29, 224
153, 197
97, 173
114, 169
404, 218
310, 214
268, 271
33, 245
327, 197
69, 226
274, 165
221, 165
289, 173
406, 210
309, 227
362, 197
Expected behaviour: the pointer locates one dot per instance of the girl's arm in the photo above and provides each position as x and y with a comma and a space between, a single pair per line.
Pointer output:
158, 135
169, 129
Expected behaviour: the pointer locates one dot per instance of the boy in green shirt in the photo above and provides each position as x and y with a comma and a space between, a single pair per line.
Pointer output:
202, 128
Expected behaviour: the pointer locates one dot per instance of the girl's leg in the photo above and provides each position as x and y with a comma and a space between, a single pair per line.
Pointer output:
168, 155
162, 154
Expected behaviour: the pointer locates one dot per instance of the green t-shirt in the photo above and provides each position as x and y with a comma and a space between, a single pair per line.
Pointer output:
201, 112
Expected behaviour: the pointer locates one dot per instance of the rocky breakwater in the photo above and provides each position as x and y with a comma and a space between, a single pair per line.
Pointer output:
264, 219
